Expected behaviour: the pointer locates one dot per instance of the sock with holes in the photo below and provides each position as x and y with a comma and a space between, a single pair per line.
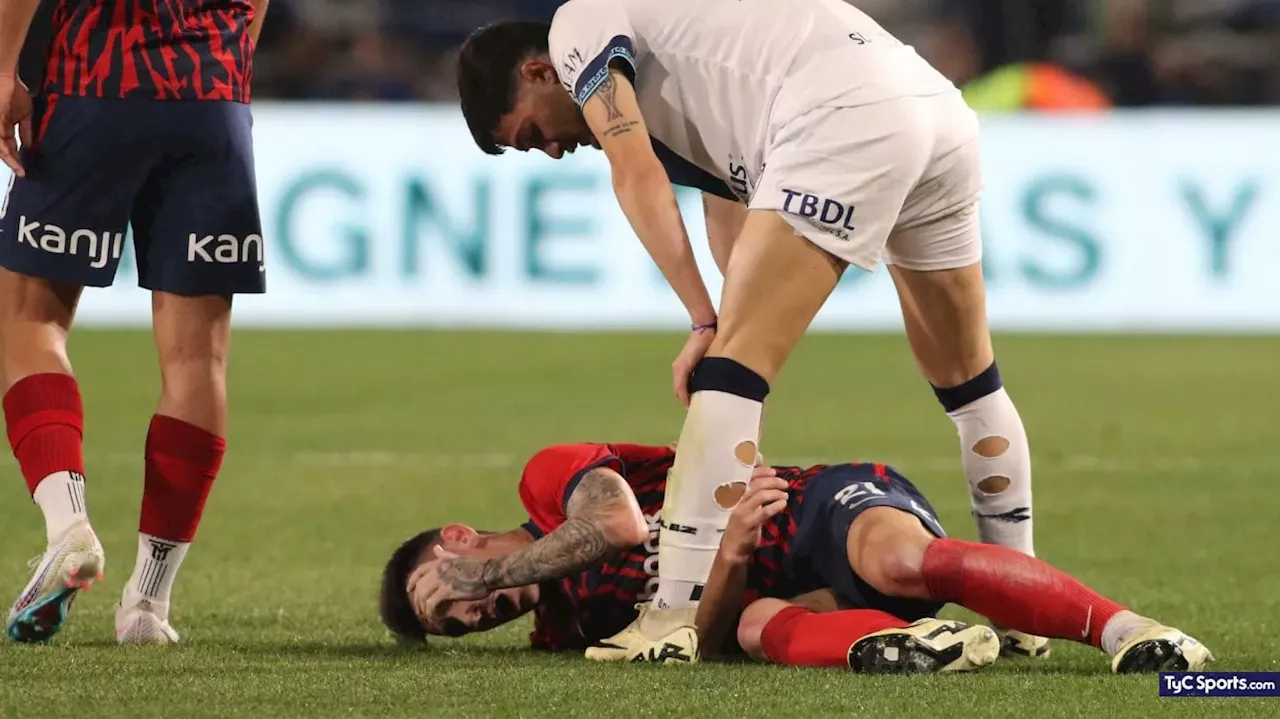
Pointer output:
996, 458
714, 459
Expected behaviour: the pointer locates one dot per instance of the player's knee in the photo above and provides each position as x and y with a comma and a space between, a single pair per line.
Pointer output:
193, 369
193, 337
751, 625
897, 572
886, 548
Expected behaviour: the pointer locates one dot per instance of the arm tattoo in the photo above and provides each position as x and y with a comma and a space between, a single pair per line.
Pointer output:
608, 93
576, 544
609, 96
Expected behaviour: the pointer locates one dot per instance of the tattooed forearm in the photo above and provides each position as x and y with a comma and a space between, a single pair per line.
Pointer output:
572, 546
581, 541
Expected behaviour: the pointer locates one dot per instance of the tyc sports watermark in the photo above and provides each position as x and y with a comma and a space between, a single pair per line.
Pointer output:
1220, 684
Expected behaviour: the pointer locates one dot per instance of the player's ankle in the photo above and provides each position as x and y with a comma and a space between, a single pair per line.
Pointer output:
154, 573
1120, 628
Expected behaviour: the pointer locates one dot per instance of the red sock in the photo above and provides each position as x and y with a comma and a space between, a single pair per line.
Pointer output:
182, 461
45, 419
1016, 591
799, 637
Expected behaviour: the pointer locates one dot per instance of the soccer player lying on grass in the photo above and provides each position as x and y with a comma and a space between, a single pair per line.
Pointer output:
836, 565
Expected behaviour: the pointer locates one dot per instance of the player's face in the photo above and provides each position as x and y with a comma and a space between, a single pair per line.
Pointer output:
544, 117
499, 607
481, 615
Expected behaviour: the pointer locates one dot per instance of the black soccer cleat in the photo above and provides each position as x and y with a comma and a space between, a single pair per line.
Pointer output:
928, 646
1161, 649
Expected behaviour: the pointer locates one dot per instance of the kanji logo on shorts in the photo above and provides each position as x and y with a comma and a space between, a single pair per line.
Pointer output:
224, 249
57, 241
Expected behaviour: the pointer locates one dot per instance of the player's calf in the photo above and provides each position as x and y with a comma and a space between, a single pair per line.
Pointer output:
890, 550
1028, 595
944, 311
774, 285
44, 418
996, 458
716, 455
184, 451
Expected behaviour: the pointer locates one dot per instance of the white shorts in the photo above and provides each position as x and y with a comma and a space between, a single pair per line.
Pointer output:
897, 180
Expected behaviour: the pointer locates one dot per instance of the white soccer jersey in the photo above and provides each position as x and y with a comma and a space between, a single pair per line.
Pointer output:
716, 79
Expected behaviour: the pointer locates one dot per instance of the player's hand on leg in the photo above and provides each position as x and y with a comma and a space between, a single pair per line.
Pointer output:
449, 579
765, 498
15, 109
694, 348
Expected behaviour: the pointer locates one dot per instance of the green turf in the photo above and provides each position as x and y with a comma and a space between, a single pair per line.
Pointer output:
1155, 478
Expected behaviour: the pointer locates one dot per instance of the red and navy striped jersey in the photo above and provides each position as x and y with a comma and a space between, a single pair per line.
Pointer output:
150, 49
577, 611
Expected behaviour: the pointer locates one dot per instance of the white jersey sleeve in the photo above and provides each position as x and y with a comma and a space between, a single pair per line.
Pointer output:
587, 36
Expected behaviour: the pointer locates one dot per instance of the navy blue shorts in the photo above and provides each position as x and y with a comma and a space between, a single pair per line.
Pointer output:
179, 172
831, 500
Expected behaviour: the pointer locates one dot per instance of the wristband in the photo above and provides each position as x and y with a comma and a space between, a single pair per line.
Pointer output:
708, 326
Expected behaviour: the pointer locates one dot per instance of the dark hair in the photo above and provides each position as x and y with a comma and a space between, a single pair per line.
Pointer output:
397, 610
487, 65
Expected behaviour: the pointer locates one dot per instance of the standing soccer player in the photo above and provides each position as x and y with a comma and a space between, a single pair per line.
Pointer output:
143, 120
819, 141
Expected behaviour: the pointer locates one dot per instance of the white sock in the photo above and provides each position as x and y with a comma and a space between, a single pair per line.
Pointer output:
61, 498
152, 580
674, 594
718, 425
997, 461
1120, 628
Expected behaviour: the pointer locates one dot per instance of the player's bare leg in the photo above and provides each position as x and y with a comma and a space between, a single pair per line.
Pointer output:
891, 550
44, 416
775, 284
945, 315
184, 450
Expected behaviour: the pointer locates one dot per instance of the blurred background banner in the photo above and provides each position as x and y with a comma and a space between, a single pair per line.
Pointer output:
1131, 159
386, 215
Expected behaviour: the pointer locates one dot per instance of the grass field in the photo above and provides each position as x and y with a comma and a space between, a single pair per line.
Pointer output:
1156, 463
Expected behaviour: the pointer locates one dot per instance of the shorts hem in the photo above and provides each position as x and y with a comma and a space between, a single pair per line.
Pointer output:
934, 266
895, 504
47, 275
201, 291
826, 241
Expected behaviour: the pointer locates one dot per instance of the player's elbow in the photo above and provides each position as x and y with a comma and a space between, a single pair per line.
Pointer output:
638, 175
625, 529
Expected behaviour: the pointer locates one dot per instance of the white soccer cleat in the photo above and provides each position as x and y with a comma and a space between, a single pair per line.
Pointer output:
927, 646
1161, 649
1016, 644
72, 562
141, 625
657, 636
